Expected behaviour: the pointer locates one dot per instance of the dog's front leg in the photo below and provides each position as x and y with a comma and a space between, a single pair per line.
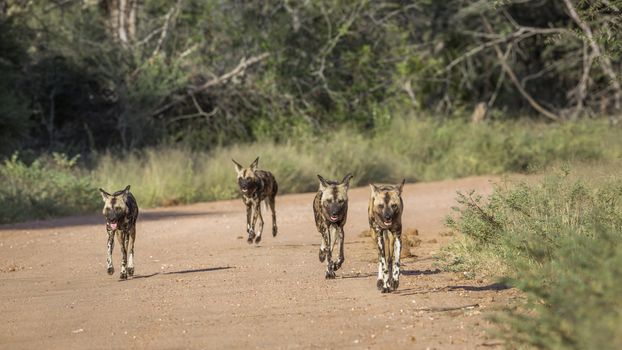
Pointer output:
122, 238
340, 242
249, 220
130, 262
110, 248
397, 250
332, 237
383, 270
324, 245
258, 214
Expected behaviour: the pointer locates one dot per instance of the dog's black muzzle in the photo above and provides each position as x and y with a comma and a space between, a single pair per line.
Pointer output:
247, 186
387, 217
335, 212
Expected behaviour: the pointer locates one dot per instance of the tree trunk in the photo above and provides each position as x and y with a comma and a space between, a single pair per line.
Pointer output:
121, 20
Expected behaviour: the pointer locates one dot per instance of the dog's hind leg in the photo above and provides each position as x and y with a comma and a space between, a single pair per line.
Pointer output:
271, 204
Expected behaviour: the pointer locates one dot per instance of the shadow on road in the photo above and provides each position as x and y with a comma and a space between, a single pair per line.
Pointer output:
357, 275
86, 220
493, 286
420, 272
198, 270
208, 269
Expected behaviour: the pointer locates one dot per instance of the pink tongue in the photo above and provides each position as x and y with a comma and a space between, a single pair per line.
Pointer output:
113, 225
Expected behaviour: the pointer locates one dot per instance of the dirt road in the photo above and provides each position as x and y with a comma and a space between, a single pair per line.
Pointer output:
198, 284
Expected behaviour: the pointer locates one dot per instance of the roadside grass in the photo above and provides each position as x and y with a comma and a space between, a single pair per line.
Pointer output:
417, 149
50, 186
559, 240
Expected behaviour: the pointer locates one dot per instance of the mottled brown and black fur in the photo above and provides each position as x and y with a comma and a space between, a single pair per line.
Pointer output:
121, 212
385, 220
256, 186
330, 208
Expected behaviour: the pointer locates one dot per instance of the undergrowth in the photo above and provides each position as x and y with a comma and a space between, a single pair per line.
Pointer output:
560, 241
418, 149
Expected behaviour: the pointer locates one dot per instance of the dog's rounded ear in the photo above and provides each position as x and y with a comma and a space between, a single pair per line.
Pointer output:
104, 194
400, 187
373, 188
125, 193
323, 183
254, 164
238, 167
346, 180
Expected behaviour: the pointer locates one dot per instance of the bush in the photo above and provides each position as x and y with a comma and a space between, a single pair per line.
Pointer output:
50, 186
559, 241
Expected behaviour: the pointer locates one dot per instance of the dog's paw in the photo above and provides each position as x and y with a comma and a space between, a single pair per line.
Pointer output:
130, 271
379, 284
322, 255
110, 270
337, 265
257, 239
251, 237
329, 275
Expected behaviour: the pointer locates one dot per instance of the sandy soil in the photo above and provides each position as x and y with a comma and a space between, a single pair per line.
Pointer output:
198, 284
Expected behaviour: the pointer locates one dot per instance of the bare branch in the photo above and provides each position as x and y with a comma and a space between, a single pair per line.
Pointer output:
520, 34
604, 60
514, 79
342, 30
200, 113
239, 69
167, 22
588, 59
495, 93
148, 37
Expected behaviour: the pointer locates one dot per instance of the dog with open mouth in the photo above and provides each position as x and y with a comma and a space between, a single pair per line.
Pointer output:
330, 207
256, 186
121, 213
385, 220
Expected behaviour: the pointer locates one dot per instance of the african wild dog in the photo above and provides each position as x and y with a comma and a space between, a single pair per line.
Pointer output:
330, 208
256, 186
385, 220
121, 212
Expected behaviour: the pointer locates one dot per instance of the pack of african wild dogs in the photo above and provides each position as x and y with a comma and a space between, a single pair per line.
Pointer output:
330, 208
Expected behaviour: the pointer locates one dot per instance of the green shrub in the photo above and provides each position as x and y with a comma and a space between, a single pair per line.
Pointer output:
559, 241
50, 186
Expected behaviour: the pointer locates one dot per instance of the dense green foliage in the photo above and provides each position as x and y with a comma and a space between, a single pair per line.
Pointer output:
415, 149
560, 241
74, 82
50, 186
